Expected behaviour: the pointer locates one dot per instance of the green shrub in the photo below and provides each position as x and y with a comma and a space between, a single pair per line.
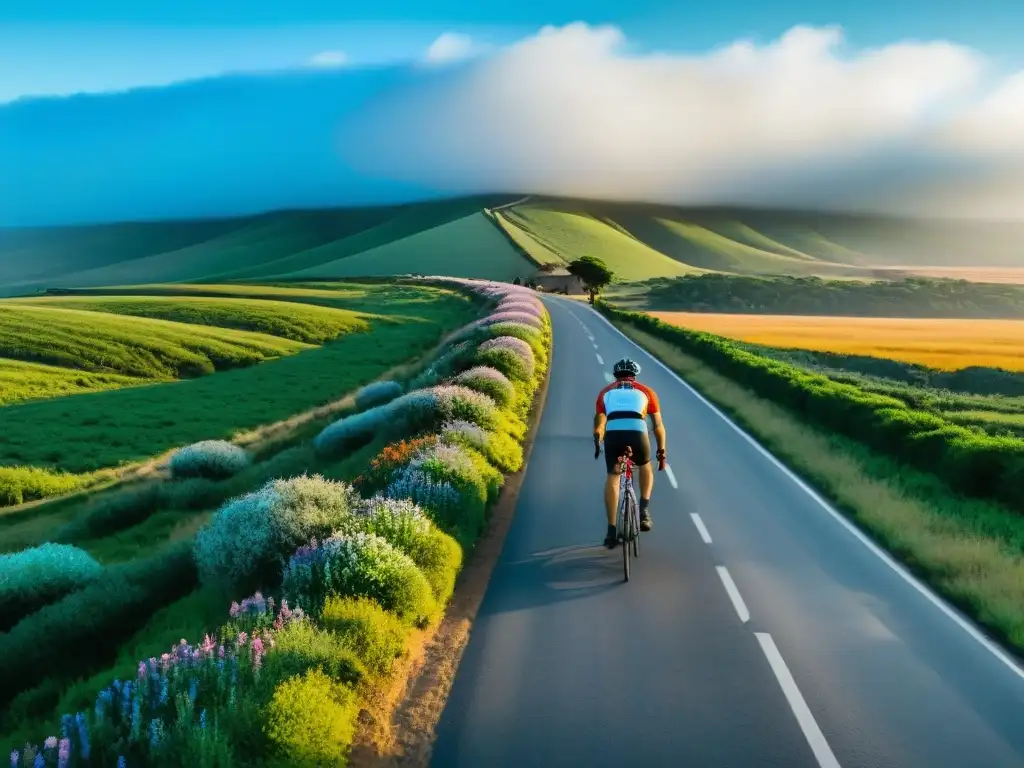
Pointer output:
211, 459
506, 361
405, 526
21, 484
499, 448
310, 721
377, 393
36, 577
361, 565
301, 646
249, 540
527, 333
377, 637
83, 630
352, 432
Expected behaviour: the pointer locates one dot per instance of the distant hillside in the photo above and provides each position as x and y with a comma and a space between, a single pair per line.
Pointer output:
502, 237
917, 297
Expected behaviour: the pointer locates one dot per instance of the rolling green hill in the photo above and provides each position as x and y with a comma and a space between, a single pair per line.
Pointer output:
500, 236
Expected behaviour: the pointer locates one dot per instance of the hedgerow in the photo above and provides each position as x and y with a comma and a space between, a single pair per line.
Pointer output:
36, 577
211, 459
359, 566
969, 462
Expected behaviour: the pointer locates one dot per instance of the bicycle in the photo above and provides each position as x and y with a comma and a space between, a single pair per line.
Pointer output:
628, 521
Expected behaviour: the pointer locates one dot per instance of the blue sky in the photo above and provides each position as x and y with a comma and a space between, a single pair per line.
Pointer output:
66, 46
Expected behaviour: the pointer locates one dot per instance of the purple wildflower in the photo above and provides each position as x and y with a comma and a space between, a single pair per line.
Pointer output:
63, 753
14, 758
513, 317
39, 762
121, 762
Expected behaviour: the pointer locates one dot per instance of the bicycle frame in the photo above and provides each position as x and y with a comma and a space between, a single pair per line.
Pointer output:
628, 518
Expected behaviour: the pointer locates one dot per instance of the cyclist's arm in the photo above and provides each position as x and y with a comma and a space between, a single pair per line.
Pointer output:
600, 420
659, 430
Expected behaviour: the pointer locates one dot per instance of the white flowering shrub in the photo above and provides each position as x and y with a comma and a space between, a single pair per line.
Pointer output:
250, 538
39, 576
211, 459
489, 381
377, 393
360, 565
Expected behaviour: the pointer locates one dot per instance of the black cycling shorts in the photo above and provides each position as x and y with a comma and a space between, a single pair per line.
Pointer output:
615, 442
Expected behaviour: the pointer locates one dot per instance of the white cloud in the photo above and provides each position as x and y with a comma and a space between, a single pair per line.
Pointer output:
328, 59
799, 121
450, 46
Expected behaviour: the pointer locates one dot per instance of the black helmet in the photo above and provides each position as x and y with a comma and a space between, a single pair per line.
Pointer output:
625, 367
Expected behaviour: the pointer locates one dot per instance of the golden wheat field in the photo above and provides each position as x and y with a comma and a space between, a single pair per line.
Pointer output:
939, 343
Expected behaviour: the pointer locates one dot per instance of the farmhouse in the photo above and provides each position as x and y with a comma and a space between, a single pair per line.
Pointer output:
556, 279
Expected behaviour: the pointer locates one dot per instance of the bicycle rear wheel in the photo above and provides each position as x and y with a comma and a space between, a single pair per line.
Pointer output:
636, 529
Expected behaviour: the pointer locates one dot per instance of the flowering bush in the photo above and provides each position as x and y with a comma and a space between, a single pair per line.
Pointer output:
427, 409
250, 538
351, 432
489, 381
527, 333
39, 576
256, 614
499, 448
514, 345
407, 527
534, 307
514, 317
377, 393
454, 483
376, 636
507, 359
391, 457
213, 459
361, 565
311, 719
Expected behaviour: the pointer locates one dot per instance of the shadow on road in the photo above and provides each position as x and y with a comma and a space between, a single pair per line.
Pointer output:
556, 575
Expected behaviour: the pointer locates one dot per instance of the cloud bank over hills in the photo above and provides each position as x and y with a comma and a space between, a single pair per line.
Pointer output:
913, 127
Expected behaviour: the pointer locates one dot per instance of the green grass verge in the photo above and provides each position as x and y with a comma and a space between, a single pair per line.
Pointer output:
967, 549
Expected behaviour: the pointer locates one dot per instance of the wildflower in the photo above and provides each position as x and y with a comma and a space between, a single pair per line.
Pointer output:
242, 639
156, 732
63, 752
39, 762
193, 689
50, 743
220, 652
202, 719
83, 735
142, 670
121, 762
14, 758
235, 609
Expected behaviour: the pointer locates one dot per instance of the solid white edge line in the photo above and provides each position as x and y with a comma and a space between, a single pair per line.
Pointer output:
734, 593
671, 475
815, 738
701, 528
600, 360
963, 622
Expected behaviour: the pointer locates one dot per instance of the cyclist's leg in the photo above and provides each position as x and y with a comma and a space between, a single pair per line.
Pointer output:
613, 448
642, 458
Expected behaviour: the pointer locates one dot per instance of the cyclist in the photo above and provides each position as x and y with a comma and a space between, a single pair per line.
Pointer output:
620, 420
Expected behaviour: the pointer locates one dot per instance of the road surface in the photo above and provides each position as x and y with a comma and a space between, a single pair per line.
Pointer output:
758, 629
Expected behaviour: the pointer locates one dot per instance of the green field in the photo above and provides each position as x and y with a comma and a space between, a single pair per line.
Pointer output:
21, 381
106, 429
306, 323
132, 346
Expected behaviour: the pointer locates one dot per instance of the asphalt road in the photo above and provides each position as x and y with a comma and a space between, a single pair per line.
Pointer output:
758, 628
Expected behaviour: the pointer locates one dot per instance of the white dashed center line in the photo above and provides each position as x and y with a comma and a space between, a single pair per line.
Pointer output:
600, 360
701, 527
734, 593
608, 377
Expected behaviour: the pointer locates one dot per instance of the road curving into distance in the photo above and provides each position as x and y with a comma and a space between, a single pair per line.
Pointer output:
759, 628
